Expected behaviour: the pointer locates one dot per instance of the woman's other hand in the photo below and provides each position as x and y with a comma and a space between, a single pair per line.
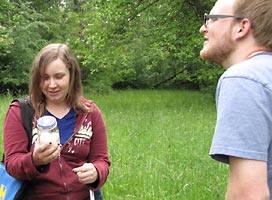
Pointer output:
87, 173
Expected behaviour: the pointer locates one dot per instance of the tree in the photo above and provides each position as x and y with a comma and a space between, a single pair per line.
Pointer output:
118, 43
21, 30
141, 44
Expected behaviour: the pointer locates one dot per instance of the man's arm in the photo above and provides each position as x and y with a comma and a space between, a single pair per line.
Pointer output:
247, 180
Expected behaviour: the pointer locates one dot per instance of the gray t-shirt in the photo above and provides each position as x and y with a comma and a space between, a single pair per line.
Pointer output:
244, 112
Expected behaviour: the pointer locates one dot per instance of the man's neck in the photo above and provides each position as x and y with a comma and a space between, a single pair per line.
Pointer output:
240, 56
255, 53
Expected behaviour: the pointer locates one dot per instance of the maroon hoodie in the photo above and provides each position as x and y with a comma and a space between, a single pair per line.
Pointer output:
57, 180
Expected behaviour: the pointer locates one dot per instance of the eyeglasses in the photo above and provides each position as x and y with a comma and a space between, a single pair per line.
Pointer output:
215, 17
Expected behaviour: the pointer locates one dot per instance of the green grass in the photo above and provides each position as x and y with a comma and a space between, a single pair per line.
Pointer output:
4, 104
159, 144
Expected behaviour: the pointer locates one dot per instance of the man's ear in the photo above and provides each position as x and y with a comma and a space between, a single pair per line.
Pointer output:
243, 28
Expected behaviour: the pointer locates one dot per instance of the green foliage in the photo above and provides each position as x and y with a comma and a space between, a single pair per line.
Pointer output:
119, 44
142, 44
20, 41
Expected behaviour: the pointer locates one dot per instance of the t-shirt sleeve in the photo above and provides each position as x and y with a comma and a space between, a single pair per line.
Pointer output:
243, 118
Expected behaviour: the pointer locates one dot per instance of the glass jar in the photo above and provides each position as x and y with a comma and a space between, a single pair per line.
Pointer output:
48, 130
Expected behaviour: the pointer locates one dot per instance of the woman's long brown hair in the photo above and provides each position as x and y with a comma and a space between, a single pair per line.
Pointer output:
48, 54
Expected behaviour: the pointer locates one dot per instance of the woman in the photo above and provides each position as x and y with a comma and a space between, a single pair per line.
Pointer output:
80, 162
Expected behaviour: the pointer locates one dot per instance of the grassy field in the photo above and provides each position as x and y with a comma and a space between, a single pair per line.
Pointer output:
159, 143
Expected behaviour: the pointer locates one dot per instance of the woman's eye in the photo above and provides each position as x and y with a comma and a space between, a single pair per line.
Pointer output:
59, 76
45, 77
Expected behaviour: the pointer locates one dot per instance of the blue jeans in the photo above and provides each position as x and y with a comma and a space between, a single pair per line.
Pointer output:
97, 195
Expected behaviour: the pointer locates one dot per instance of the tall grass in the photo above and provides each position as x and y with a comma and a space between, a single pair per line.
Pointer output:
159, 143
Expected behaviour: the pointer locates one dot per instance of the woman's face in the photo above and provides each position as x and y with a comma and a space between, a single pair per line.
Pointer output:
55, 82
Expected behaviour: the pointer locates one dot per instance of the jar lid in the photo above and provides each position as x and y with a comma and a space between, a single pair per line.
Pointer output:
46, 122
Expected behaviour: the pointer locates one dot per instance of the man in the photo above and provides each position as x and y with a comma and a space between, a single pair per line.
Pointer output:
238, 36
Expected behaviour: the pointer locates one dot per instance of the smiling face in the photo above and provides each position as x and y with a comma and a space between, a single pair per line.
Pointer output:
219, 43
55, 82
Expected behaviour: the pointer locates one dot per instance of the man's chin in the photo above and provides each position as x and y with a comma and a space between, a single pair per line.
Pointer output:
204, 54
